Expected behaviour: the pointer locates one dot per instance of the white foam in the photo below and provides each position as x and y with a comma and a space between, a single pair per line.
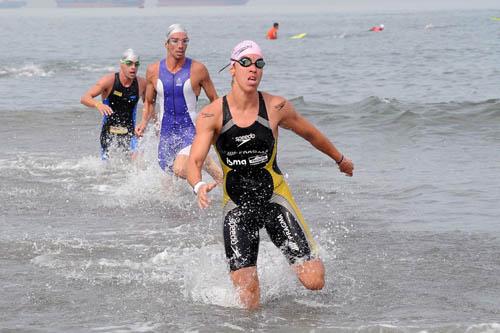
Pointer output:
206, 276
150, 184
133, 327
98, 69
86, 163
234, 327
48, 260
27, 70
312, 304
113, 183
202, 272
484, 328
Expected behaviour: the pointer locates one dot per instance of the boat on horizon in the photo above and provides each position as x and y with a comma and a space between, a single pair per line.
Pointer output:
8, 4
171, 3
99, 3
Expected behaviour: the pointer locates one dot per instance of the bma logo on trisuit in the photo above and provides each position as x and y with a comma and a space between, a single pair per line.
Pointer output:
235, 162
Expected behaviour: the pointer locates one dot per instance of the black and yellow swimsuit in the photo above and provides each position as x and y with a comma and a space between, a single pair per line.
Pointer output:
256, 194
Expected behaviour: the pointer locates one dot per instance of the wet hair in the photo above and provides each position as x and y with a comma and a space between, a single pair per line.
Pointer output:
276, 24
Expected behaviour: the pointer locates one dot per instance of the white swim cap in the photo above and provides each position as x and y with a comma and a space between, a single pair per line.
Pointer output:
130, 54
173, 29
381, 25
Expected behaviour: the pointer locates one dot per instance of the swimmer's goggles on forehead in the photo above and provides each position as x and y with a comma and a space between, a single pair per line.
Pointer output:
247, 62
130, 63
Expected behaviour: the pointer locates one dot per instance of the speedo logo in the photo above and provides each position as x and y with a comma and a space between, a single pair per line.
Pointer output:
291, 241
244, 138
232, 230
233, 237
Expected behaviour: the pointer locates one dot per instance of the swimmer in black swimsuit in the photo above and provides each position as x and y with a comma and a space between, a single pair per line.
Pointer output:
120, 93
243, 127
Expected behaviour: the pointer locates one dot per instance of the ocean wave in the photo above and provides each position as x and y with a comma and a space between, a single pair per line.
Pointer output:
431, 26
370, 113
374, 112
394, 328
200, 272
52, 68
26, 70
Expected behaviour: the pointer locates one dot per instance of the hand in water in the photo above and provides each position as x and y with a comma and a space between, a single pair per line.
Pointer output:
139, 129
203, 199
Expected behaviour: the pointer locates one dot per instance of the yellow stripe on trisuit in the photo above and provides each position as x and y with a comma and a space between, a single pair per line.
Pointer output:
225, 171
281, 188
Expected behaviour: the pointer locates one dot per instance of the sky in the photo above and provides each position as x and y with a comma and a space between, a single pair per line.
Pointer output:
348, 5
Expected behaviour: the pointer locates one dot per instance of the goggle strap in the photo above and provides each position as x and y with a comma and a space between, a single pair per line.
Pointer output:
223, 68
238, 61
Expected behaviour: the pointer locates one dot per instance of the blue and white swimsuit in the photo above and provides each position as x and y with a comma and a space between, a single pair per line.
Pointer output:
177, 113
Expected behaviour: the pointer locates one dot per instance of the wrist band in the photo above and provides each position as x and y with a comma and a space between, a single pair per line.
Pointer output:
341, 159
196, 187
97, 104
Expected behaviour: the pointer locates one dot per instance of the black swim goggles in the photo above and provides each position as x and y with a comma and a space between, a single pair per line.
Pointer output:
247, 62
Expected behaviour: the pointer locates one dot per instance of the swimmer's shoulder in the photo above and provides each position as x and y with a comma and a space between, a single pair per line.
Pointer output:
278, 108
212, 113
152, 70
214, 107
106, 81
275, 102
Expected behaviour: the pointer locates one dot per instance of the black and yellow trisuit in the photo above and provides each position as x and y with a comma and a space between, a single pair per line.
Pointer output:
256, 194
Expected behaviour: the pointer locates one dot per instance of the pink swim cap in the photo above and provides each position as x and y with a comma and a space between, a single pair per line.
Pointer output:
244, 48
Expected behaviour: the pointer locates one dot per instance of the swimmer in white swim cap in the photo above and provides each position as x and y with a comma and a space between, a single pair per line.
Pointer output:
120, 93
130, 55
174, 84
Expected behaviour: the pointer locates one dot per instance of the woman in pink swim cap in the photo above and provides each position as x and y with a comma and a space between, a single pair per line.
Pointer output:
243, 127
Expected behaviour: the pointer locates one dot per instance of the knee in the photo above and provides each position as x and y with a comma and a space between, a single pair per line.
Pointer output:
314, 282
246, 282
246, 279
311, 274
179, 168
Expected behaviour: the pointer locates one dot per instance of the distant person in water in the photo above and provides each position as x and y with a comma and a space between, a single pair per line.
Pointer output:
273, 32
377, 28
120, 93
